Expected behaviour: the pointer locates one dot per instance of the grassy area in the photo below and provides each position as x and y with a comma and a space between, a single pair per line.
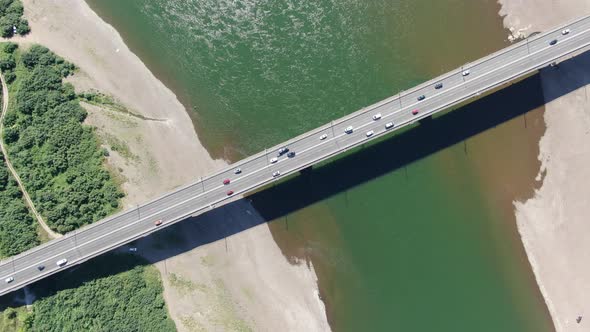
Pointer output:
57, 157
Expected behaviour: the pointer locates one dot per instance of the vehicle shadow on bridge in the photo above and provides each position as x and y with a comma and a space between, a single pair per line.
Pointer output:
360, 165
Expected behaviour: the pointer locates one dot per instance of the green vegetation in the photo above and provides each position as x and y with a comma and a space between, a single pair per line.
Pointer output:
95, 298
100, 99
11, 19
12, 319
57, 157
17, 227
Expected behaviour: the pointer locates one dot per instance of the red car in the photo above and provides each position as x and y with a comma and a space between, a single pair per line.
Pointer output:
226, 181
414, 112
229, 193
158, 222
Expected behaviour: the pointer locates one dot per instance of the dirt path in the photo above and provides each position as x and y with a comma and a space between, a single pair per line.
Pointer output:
28, 200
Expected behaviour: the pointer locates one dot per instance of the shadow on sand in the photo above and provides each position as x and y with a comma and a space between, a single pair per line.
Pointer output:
314, 185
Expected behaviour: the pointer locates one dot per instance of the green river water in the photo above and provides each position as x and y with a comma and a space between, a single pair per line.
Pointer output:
401, 240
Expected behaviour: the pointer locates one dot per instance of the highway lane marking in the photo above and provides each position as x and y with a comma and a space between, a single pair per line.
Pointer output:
333, 139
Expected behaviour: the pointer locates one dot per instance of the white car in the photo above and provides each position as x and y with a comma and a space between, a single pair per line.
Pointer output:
237, 170
62, 262
465, 72
565, 31
133, 249
323, 137
389, 125
348, 130
9, 280
370, 133
377, 116
274, 160
277, 173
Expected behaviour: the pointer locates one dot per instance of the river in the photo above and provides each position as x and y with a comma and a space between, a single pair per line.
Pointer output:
414, 233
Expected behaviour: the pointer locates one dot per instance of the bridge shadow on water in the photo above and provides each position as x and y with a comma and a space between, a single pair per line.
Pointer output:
355, 167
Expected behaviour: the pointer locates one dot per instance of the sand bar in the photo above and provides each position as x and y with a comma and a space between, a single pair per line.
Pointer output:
554, 223
253, 281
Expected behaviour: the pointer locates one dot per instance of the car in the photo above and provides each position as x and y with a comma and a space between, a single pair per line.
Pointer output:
348, 130
291, 154
41, 267
465, 72
370, 133
275, 174
230, 192
62, 262
377, 116
282, 151
414, 112
133, 249
274, 160
422, 97
158, 222
389, 125
9, 280
553, 42
323, 137
438, 86
565, 31
226, 181
237, 170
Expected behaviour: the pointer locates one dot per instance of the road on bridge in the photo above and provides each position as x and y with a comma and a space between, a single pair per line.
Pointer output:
314, 146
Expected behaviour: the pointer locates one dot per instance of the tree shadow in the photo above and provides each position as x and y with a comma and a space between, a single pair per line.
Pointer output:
316, 184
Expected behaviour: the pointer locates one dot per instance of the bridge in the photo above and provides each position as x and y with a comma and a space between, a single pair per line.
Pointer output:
383, 118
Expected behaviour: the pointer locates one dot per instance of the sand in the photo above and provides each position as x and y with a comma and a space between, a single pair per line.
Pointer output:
523, 17
149, 157
554, 223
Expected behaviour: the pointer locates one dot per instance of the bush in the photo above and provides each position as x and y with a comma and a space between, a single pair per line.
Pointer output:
17, 227
58, 158
10, 47
11, 12
125, 301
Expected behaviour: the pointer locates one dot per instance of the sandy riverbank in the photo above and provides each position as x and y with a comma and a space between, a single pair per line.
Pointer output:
553, 224
154, 156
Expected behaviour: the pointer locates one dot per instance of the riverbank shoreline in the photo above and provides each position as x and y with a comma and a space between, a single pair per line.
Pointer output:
153, 157
551, 224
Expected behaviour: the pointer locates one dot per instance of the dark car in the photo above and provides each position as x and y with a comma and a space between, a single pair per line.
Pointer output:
41, 267
282, 151
553, 42
291, 154
438, 86
422, 97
